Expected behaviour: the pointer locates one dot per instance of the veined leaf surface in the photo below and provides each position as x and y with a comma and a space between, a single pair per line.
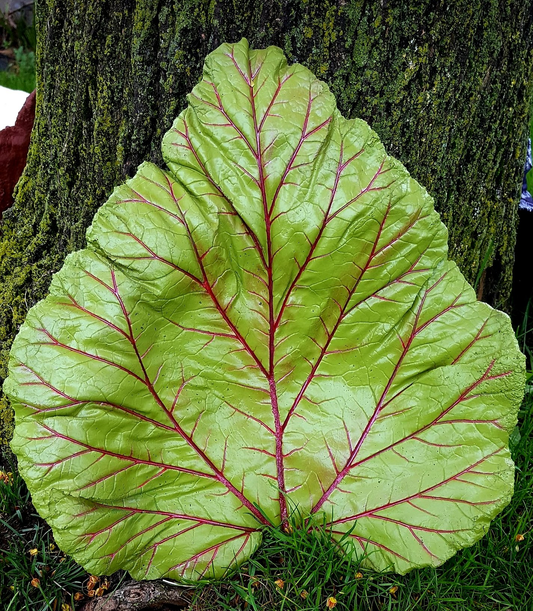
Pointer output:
270, 322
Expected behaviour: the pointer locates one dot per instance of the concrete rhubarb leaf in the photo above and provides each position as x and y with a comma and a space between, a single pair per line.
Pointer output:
270, 322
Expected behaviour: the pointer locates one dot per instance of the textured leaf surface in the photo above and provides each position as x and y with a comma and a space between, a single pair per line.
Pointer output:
272, 320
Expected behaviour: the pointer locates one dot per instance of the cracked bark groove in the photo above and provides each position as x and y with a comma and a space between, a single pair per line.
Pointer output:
265, 325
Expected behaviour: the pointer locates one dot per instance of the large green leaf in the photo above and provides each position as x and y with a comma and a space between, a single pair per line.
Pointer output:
271, 322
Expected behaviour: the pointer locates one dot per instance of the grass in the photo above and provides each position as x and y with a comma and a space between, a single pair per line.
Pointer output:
37, 575
21, 75
34, 573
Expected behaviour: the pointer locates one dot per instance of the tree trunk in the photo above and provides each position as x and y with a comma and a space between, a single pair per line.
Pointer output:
446, 85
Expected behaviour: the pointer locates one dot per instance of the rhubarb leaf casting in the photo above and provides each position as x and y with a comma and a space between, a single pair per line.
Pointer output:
269, 323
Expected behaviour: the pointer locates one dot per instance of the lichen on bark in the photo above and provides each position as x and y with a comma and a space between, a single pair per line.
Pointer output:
446, 86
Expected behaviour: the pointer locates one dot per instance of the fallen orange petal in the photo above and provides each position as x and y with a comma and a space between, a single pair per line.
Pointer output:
93, 580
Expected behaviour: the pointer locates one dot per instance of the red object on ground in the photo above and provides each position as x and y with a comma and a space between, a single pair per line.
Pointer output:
14, 143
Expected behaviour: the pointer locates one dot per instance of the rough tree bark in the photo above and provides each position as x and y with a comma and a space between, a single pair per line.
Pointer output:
445, 84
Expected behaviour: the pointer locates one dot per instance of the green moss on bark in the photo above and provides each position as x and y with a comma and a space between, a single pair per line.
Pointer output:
445, 85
